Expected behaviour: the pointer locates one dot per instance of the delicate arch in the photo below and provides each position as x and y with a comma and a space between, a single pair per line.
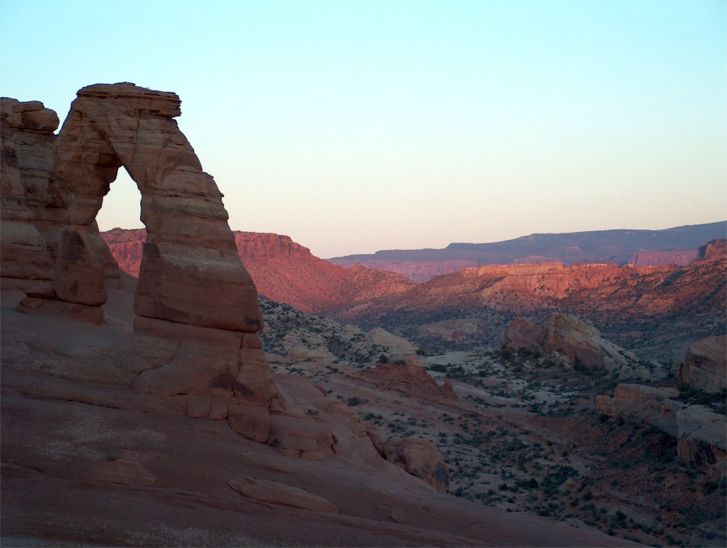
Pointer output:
190, 271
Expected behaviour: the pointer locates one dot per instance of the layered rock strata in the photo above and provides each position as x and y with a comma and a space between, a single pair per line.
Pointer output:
580, 343
705, 365
701, 433
196, 306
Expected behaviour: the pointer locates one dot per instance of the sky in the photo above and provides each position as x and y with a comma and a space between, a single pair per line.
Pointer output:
356, 126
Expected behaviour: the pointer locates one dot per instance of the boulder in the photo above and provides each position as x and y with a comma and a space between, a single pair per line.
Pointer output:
705, 365
407, 376
520, 334
420, 458
580, 343
395, 344
644, 404
702, 435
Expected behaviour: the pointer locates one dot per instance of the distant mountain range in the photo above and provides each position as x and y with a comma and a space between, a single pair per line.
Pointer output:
620, 246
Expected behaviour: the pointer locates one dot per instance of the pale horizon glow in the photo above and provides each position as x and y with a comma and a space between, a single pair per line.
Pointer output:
359, 126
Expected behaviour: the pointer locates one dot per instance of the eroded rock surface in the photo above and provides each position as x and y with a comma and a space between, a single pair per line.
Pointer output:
705, 365
406, 375
701, 433
580, 343
420, 458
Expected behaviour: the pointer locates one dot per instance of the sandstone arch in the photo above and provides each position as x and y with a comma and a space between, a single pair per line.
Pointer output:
190, 248
196, 306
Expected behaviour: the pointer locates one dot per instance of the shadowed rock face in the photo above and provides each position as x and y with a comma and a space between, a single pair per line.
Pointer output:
26, 132
189, 247
705, 365
579, 342
196, 306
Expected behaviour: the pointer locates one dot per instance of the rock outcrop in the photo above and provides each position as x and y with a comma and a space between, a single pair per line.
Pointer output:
406, 375
580, 343
283, 271
521, 334
659, 258
196, 306
705, 365
700, 432
420, 458
646, 404
26, 162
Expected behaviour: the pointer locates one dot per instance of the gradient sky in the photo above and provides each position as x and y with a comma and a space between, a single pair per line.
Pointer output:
365, 125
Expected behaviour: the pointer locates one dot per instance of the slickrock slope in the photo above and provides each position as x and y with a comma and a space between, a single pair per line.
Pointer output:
87, 458
146, 413
524, 435
282, 270
615, 246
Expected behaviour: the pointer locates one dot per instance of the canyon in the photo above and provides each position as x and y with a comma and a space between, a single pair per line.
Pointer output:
643, 307
173, 386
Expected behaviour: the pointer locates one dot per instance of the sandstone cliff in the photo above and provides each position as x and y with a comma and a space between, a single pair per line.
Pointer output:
282, 270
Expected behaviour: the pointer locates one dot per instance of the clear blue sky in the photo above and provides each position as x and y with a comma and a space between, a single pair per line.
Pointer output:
362, 125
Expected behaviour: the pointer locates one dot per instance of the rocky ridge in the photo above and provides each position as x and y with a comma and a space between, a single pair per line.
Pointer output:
283, 271
669, 246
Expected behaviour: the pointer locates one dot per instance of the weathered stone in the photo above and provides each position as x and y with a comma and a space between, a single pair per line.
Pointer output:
521, 334
705, 365
702, 436
79, 274
645, 404
420, 458
406, 375
580, 343
250, 421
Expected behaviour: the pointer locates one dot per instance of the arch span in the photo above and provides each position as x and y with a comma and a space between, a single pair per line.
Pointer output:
190, 270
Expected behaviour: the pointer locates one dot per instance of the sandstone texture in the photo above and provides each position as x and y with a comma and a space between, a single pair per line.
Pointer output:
705, 365
196, 312
565, 334
26, 163
407, 376
282, 495
283, 271
701, 433
420, 458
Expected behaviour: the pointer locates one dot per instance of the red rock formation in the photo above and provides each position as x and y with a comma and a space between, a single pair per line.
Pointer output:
126, 246
416, 271
699, 431
521, 334
565, 334
26, 133
282, 270
406, 375
629, 291
705, 365
196, 305
420, 458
